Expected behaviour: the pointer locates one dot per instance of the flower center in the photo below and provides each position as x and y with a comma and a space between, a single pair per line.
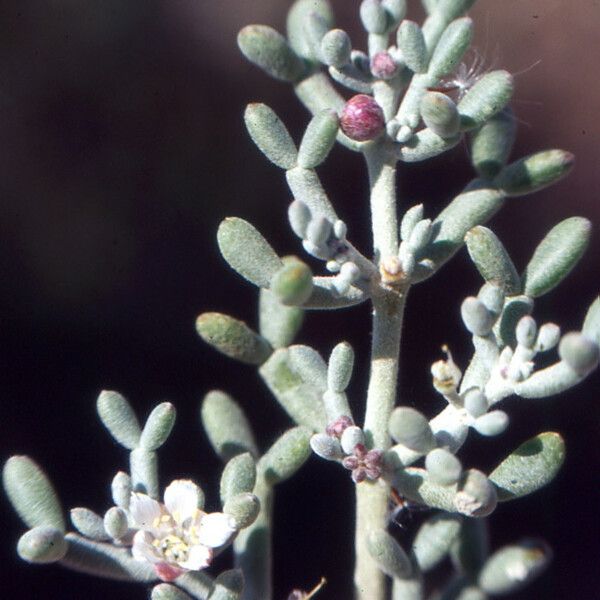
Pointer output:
173, 548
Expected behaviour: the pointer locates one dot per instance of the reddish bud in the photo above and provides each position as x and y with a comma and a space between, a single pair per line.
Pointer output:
362, 118
383, 65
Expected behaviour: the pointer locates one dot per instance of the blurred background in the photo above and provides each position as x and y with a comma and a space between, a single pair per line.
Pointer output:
123, 147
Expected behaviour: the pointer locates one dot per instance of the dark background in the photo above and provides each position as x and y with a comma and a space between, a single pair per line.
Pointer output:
122, 147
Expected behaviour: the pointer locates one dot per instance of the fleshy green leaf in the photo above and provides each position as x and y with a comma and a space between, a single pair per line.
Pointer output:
286, 455
269, 50
270, 135
247, 251
158, 426
42, 545
556, 255
239, 476
226, 425
530, 467
31, 493
118, 417
278, 324
233, 338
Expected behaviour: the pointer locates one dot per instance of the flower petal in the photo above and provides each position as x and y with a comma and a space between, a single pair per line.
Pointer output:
143, 549
167, 572
181, 499
199, 557
216, 529
144, 510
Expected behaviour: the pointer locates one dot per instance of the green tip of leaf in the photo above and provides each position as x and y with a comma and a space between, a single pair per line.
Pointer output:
293, 283
269, 50
556, 255
530, 467
233, 338
534, 172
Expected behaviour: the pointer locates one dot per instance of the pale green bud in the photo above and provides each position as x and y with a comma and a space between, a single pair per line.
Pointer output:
115, 522
42, 545
443, 467
88, 523
410, 428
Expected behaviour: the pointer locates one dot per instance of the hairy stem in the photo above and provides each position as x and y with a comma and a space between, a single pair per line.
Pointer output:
382, 178
252, 547
388, 311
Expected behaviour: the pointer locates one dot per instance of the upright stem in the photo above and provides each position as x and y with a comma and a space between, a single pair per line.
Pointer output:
252, 547
382, 178
388, 311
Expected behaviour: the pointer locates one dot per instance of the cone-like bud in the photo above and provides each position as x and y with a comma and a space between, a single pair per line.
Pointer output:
443, 467
326, 447
388, 554
238, 477
476, 317
434, 539
492, 423
229, 585
121, 489
226, 426
410, 428
440, 114
31, 493
579, 352
476, 496
373, 16
492, 143
244, 508
492, 260
530, 467
88, 523
450, 49
339, 368
297, 25
293, 283
286, 455
166, 591
534, 172
362, 118
513, 567
556, 255
233, 338
412, 43
158, 426
318, 139
42, 545
269, 50
270, 135
383, 66
336, 48
247, 251
486, 98
115, 522
118, 417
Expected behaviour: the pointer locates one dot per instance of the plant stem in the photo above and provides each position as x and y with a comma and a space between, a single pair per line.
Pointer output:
252, 547
382, 178
388, 311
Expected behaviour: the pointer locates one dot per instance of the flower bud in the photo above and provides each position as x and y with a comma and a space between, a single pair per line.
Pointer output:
383, 65
362, 118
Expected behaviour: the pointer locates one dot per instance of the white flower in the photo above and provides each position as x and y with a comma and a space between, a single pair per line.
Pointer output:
177, 536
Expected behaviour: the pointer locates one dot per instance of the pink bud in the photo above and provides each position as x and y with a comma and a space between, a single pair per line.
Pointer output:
362, 118
383, 65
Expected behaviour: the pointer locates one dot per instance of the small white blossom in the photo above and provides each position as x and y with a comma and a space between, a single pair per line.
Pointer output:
177, 536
